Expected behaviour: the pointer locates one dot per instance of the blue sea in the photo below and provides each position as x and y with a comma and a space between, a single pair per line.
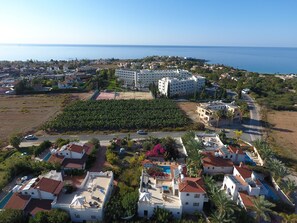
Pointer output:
258, 59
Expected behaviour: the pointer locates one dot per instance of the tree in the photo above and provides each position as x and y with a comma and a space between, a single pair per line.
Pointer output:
95, 142
218, 115
15, 141
230, 116
288, 218
129, 203
238, 134
262, 207
289, 187
162, 215
277, 168
12, 216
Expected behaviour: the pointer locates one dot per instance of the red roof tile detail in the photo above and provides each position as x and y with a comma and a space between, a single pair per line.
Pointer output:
49, 185
17, 201
192, 185
88, 147
234, 149
244, 171
36, 205
246, 199
75, 148
211, 160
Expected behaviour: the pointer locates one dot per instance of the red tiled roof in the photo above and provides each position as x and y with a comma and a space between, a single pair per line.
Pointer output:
194, 185
17, 201
211, 160
75, 148
49, 185
54, 158
88, 148
246, 199
234, 149
36, 205
244, 171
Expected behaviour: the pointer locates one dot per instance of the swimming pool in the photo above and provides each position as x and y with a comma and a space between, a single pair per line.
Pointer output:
4, 201
166, 169
271, 193
249, 160
46, 158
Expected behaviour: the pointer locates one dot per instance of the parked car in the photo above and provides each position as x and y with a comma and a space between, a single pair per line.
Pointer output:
30, 137
141, 132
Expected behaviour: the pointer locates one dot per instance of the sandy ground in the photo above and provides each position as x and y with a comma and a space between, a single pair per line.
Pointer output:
83, 96
23, 114
284, 133
190, 109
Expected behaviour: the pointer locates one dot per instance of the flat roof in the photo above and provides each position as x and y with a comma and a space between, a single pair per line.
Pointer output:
94, 190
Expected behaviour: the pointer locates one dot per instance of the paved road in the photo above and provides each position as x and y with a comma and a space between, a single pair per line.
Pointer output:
251, 128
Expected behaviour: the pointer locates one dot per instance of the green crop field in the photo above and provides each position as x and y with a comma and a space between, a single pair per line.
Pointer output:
119, 115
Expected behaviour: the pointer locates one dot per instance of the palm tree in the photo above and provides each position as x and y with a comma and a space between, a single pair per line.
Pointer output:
289, 187
288, 218
262, 208
277, 168
218, 115
224, 205
219, 218
230, 116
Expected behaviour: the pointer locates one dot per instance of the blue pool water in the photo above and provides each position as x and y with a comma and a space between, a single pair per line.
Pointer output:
165, 187
249, 160
4, 201
166, 169
46, 158
271, 193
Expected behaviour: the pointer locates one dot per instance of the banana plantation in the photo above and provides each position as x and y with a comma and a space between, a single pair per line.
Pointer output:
118, 115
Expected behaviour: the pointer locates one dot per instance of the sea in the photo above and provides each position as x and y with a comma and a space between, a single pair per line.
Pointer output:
270, 60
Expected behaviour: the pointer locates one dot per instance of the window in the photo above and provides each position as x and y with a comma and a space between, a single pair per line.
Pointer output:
145, 213
93, 216
76, 215
187, 203
196, 204
188, 194
197, 195
177, 213
32, 193
26, 192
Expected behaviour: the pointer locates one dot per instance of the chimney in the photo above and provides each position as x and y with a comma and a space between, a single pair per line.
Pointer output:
241, 164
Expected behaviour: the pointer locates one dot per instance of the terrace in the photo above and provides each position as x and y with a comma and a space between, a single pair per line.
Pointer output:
211, 142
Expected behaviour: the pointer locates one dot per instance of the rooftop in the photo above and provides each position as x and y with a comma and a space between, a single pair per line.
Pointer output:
244, 171
91, 193
211, 142
211, 159
192, 185
36, 205
247, 200
17, 201
49, 185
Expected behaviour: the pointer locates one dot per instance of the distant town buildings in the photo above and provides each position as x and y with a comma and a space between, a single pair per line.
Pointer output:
143, 78
212, 113
180, 86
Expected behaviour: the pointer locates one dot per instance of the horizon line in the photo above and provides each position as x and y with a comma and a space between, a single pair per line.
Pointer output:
133, 45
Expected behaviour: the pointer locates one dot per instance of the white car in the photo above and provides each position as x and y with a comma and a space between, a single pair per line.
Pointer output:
30, 137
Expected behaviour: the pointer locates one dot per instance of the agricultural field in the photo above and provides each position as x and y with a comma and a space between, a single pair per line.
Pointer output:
23, 114
282, 135
119, 115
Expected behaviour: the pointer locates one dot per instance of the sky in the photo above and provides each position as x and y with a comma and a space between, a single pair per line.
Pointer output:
267, 23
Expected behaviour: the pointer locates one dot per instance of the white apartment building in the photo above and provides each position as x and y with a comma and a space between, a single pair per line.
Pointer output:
180, 86
169, 189
144, 78
207, 112
88, 201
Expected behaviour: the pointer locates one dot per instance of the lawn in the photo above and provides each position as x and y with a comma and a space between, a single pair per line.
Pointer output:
119, 115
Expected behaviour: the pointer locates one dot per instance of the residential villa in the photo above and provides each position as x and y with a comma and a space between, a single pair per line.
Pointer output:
143, 78
207, 112
85, 203
236, 155
243, 185
213, 163
88, 201
72, 155
164, 185
180, 86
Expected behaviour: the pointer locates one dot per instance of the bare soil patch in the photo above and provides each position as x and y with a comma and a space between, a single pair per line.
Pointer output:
24, 114
283, 134
134, 95
190, 109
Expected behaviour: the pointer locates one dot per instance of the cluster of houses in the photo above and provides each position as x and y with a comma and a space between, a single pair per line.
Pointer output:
163, 184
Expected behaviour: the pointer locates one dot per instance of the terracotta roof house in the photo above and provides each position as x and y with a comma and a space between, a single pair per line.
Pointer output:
214, 164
